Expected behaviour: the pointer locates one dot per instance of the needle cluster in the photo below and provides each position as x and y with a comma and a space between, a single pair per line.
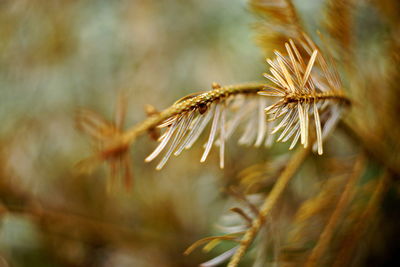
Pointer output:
306, 89
224, 116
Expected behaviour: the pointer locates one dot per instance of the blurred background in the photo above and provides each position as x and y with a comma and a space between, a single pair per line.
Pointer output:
60, 55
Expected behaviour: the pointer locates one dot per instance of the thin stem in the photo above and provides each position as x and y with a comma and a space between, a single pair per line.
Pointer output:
284, 179
190, 104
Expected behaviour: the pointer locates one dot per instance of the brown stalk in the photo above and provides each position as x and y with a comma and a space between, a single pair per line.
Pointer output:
114, 144
311, 97
119, 143
190, 103
269, 203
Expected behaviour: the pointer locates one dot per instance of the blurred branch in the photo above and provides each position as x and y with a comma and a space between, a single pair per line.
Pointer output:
359, 228
327, 234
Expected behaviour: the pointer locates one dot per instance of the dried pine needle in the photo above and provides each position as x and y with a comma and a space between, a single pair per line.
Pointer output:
303, 92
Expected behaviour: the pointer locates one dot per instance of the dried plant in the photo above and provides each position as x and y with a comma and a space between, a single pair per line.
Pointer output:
335, 92
304, 100
226, 114
304, 90
103, 134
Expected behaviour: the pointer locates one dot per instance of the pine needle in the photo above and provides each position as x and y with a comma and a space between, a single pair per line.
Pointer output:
303, 93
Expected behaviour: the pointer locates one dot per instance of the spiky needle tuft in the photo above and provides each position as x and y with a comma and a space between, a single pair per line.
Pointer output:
305, 89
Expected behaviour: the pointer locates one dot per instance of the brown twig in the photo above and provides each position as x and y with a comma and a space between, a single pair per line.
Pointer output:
188, 104
284, 179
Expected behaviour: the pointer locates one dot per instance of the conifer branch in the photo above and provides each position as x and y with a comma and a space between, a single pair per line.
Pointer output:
195, 102
179, 119
303, 92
